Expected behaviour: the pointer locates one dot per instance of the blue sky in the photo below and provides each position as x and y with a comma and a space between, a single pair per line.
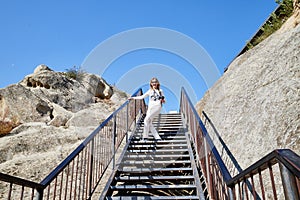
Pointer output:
169, 39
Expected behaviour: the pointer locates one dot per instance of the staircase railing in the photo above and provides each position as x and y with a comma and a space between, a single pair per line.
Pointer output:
79, 174
275, 176
228, 158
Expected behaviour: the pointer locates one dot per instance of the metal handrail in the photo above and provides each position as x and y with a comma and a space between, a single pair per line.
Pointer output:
265, 179
285, 156
80, 173
228, 156
209, 159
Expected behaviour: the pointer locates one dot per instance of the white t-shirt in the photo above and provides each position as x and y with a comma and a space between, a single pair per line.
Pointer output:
154, 95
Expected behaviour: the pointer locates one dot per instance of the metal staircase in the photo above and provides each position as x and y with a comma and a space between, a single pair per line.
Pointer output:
186, 164
157, 169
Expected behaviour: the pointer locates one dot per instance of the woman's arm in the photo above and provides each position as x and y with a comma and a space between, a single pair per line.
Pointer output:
141, 96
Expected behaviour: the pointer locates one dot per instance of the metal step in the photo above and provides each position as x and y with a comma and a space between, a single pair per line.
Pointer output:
135, 162
152, 178
155, 157
158, 151
153, 187
153, 198
142, 170
137, 141
165, 138
156, 146
161, 164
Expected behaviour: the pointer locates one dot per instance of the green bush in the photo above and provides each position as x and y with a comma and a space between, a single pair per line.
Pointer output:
74, 73
274, 22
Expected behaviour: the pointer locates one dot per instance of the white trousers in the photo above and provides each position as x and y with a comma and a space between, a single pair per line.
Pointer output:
148, 126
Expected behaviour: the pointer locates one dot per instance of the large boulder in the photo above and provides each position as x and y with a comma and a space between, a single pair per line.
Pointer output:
19, 105
60, 116
97, 86
255, 105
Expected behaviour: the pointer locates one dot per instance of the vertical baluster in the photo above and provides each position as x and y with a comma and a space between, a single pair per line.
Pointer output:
55, 187
221, 188
207, 166
95, 165
91, 163
99, 145
240, 184
113, 140
253, 187
48, 191
81, 177
246, 189
289, 183
261, 185
10, 191
22, 192
273, 182
298, 185
61, 183
87, 168
67, 179
76, 176
72, 180
231, 192
218, 182
127, 122
32, 193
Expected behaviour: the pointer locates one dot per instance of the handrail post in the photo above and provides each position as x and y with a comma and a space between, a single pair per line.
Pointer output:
127, 122
134, 113
231, 193
195, 140
289, 183
91, 167
207, 165
114, 141
40, 193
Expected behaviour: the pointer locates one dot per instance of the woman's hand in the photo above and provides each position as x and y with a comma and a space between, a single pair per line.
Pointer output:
162, 99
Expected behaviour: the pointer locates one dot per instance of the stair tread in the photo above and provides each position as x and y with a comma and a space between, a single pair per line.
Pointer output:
165, 138
157, 150
148, 178
130, 169
162, 142
157, 145
151, 197
155, 156
150, 187
155, 162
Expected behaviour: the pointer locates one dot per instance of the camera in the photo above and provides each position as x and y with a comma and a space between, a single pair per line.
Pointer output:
161, 97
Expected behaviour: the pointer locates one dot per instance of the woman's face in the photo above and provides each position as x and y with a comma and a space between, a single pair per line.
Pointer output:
154, 83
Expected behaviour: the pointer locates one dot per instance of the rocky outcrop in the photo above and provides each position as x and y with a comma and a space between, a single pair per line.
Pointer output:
49, 97
255, 105
58, 88
47, 115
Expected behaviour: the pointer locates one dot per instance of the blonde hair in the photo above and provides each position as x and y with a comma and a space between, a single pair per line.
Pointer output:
158, 84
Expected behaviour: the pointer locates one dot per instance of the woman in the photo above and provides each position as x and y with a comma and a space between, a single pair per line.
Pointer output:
156, 98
